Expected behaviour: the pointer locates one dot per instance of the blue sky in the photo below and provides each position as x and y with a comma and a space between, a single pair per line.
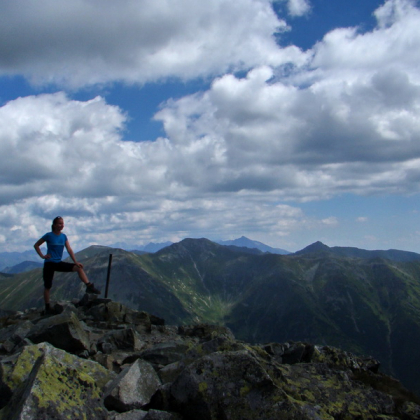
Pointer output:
152, 120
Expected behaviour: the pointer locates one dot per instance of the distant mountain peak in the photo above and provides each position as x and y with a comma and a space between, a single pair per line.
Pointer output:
245, 242
317, 246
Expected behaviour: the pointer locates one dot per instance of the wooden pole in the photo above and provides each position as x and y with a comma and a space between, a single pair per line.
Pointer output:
108, 275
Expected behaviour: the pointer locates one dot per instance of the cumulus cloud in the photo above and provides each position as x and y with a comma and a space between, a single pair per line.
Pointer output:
298, 7
84, 42
138, 220
67, 157
343, 118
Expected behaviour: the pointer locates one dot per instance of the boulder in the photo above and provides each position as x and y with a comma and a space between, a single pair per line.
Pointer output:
170, 372
146, 415
14, 335
15, 370
63, 331
205, 331
126, 339
156, 320
165, 353
139, 318
204, 372
219, 343
187, 354
231, 385
63, 307
344, 360
49, 383
339, 396
5, 391
162, 398
88, 300
132, 388
290, 352
162, 415
111, 312
129, 415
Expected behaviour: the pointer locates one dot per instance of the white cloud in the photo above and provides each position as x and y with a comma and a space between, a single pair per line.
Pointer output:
393, 11
344, 120
66, 157
298, 7
84, 42
330, 221
346, 54
138, 220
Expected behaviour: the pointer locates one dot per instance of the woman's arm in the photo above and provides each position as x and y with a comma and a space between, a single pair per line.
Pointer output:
38, 249
71, 253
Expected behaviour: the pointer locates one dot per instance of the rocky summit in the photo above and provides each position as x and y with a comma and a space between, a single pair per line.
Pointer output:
98, 359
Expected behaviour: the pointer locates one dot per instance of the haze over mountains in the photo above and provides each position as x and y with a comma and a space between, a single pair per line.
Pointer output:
367, 302
16, 262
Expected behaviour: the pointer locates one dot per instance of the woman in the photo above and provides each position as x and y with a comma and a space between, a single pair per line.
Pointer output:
56, 241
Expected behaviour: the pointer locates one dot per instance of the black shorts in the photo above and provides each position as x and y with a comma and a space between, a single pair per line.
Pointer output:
51, 267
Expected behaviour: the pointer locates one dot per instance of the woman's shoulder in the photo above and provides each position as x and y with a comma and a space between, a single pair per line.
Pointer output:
52, 235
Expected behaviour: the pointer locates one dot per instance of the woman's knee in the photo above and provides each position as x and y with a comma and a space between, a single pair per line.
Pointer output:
77, 269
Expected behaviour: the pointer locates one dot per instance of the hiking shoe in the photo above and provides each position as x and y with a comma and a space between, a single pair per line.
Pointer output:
48, 311
90, 288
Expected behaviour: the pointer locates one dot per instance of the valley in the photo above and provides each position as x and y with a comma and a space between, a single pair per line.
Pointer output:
363, 302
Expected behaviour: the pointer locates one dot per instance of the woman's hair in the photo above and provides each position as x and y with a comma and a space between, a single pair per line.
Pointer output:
56, 219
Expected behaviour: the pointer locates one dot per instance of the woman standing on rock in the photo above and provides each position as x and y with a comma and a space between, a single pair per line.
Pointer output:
56, 241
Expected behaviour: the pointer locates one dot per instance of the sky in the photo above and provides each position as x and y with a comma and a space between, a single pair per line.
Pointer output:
137, 121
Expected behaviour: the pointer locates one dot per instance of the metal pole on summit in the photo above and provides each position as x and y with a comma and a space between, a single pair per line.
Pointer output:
108, 275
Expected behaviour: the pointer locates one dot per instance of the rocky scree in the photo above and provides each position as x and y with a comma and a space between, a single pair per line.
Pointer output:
98, 359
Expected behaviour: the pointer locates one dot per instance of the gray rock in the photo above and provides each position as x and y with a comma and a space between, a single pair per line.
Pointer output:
165, 353
155, 320
161, 415
17, 368
64, 307
106, 348
58, 386
132, 388
63, 331
14, 334
290, 353
231, 385
88, 300
139, 318
170, 372
127, 339
129, 415
205, 331
217, 378
7, 346
162, 398
5, 391
114, 312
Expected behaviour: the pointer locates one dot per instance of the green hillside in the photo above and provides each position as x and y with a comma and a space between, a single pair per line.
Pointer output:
370, 306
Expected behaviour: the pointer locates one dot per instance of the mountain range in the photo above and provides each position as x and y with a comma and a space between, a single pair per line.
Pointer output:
244, 242
16, 262
366, 302
10, 259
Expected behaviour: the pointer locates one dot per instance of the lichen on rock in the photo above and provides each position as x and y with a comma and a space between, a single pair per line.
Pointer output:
150, 371
56, 385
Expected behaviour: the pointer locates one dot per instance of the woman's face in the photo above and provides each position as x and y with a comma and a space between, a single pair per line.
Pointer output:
58, 225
